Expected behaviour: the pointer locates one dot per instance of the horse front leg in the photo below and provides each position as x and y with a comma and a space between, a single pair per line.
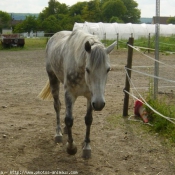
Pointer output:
69, 100
88, 122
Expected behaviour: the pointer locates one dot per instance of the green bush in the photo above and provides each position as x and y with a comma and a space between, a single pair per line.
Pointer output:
160, 124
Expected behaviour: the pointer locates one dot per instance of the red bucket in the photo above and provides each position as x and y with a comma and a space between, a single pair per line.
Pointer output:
140, 111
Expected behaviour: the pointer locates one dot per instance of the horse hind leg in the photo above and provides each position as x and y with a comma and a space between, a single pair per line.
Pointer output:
55, 85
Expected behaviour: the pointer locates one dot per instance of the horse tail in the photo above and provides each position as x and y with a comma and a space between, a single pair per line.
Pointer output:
46, 94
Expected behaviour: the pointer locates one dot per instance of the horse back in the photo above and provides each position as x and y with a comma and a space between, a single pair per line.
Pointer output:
57, 41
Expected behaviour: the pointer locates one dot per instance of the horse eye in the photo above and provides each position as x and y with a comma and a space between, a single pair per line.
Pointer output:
108, 69
87, 70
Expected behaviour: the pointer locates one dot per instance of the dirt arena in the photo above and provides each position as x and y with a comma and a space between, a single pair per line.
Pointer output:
27, 125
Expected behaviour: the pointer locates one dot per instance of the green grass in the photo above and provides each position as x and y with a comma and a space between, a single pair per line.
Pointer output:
35, 43
165, 43
114, 121
160, 124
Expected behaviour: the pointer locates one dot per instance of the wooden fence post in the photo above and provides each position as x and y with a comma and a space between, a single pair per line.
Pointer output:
127, 84
105, 39
117, 40
149, 41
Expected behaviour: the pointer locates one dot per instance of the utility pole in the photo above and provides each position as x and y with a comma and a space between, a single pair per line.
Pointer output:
157, 31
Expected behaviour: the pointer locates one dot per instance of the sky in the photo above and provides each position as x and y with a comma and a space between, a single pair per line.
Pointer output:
147, 7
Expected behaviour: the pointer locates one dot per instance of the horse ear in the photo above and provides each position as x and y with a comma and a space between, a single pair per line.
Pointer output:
87, 47
111, 47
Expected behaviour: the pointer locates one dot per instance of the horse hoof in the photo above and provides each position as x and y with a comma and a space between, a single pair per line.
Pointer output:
86, 152
71, 148
58, 138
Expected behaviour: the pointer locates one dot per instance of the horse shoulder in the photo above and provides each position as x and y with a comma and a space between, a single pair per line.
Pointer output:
56, 53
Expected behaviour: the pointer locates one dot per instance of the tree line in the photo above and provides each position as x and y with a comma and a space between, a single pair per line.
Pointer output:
59, 16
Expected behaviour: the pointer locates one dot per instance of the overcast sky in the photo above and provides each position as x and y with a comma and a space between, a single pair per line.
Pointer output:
147, 7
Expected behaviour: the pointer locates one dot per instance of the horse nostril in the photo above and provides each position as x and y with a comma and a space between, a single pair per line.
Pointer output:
93, 105
103, 104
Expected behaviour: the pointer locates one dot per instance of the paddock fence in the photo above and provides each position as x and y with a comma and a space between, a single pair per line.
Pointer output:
140, 78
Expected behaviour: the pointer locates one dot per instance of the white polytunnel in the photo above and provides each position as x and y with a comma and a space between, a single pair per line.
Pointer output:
124, 31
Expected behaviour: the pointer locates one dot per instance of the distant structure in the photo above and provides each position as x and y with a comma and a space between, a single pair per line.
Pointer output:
162, 20
146, 20
19, 17
22, 16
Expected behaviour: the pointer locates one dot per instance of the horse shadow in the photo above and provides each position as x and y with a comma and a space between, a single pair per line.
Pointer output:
53, 158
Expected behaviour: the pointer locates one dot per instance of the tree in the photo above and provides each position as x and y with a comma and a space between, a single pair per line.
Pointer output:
54, 8
77, 8
92, 11
5, 20
171, 20
19, 28
89, 11
52, 16
132, 14
113, 8
50, 25
29, 24
115, 19
68, 22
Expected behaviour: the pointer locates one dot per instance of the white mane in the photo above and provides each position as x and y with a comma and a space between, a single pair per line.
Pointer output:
77, 42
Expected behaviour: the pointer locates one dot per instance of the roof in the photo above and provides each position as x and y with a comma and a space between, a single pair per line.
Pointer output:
22, 16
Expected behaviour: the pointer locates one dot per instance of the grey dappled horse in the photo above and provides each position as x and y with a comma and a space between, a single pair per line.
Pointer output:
81, 62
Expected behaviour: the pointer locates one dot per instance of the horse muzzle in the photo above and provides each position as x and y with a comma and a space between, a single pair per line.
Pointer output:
98, 106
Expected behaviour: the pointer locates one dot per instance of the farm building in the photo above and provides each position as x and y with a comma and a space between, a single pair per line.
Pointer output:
124, 31
6, 31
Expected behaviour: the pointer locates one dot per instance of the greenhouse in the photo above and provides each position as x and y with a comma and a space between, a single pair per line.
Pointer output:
124, 31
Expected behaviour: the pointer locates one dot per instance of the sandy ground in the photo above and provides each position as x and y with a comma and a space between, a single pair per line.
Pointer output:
27, 125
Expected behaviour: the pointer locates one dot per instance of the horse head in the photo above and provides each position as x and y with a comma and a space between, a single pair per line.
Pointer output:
96, 71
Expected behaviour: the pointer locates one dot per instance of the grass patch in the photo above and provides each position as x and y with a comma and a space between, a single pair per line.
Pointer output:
165, 43
114, 121
160, 124
35, 43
